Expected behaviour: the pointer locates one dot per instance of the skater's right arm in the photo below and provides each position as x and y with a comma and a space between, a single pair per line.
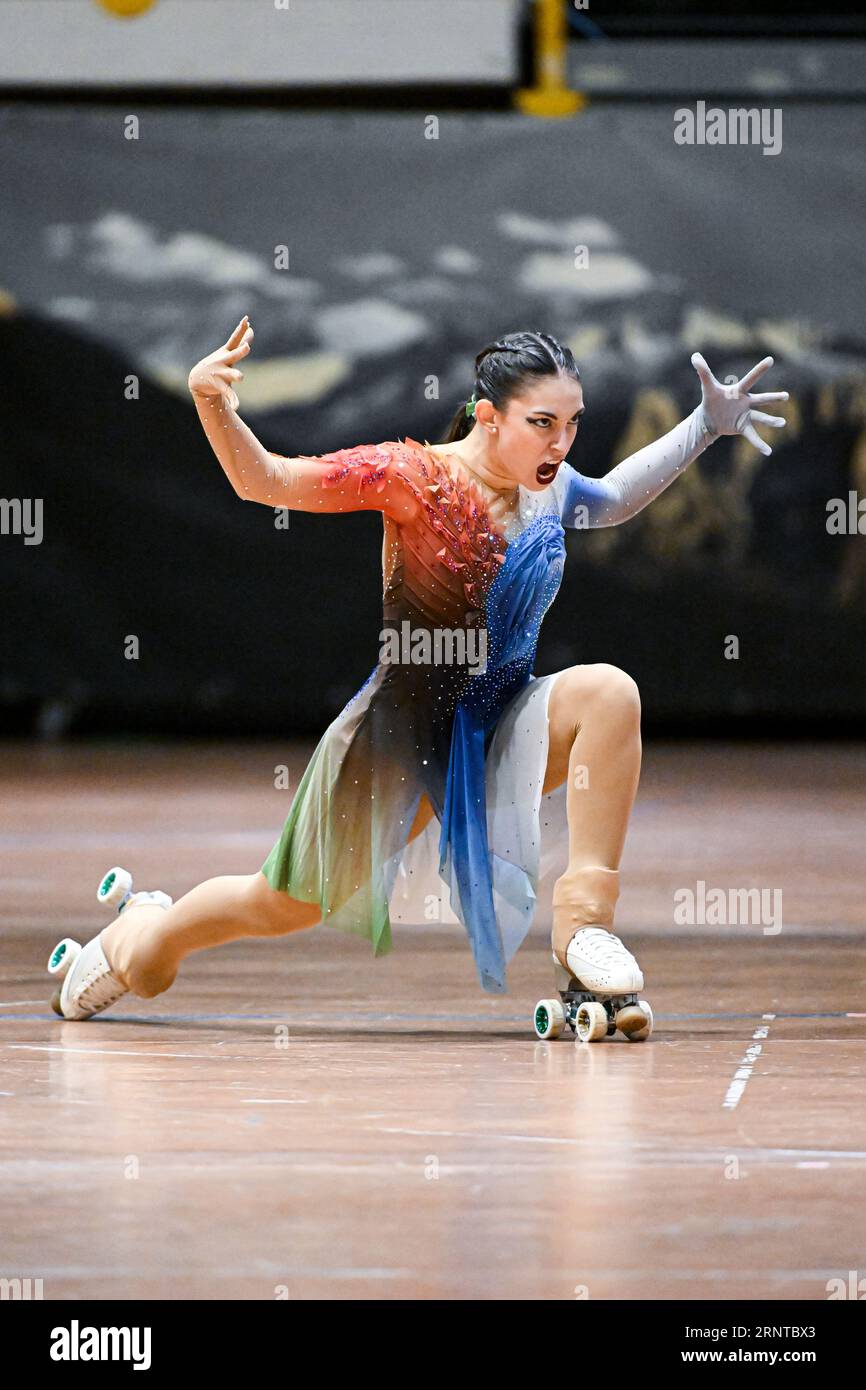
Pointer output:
366, 478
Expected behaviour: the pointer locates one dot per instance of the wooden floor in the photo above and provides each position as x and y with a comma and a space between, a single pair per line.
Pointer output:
296, 1118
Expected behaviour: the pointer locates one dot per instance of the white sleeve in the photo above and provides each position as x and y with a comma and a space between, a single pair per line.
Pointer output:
632, 484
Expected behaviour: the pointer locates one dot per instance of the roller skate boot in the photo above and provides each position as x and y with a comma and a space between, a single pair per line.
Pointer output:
88, 986
597, 978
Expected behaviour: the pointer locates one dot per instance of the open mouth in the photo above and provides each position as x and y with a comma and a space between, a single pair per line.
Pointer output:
547, 471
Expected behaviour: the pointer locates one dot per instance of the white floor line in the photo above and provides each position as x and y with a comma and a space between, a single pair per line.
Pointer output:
465, 1134
734, 1093
117, 1052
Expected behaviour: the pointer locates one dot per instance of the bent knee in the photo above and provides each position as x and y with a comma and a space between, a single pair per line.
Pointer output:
608, 688
274, 912
620, 689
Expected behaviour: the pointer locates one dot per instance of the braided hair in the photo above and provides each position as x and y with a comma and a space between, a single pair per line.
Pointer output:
504, 369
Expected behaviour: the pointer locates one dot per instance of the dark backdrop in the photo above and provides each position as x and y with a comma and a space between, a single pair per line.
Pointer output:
406, 255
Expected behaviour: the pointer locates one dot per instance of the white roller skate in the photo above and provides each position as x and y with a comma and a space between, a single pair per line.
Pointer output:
598, 994
88, 985
598, 991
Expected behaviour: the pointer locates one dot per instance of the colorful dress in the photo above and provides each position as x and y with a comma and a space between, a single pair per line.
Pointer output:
451, 709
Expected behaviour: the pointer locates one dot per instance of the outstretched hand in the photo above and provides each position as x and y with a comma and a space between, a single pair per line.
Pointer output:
214, 374
730, 409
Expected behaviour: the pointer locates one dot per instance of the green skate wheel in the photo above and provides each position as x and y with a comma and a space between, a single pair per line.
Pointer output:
114, 887
549, 1018
62, 956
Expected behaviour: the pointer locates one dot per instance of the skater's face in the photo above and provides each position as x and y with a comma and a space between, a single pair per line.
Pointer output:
537, 428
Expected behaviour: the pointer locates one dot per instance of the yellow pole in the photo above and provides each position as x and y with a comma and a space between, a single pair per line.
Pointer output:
550, 96
126, 9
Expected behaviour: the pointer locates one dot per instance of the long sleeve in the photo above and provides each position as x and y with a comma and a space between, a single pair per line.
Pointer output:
632, 484
365, 478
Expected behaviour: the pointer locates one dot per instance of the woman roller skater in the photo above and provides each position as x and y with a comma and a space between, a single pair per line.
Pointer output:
472, 558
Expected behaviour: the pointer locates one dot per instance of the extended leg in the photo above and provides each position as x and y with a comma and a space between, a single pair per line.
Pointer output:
146, 944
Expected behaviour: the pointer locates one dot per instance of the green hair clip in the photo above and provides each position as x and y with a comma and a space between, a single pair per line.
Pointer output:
470, 405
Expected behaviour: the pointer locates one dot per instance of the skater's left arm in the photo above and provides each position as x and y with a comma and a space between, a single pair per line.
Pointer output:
632, 484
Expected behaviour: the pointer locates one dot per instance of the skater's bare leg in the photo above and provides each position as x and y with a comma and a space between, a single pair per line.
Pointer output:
594, 745
146, 944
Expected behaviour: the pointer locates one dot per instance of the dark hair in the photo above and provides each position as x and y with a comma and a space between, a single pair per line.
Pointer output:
503, 369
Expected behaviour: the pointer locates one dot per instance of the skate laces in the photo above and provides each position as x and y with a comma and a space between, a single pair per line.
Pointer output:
98, 989
95, 988
603, 947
